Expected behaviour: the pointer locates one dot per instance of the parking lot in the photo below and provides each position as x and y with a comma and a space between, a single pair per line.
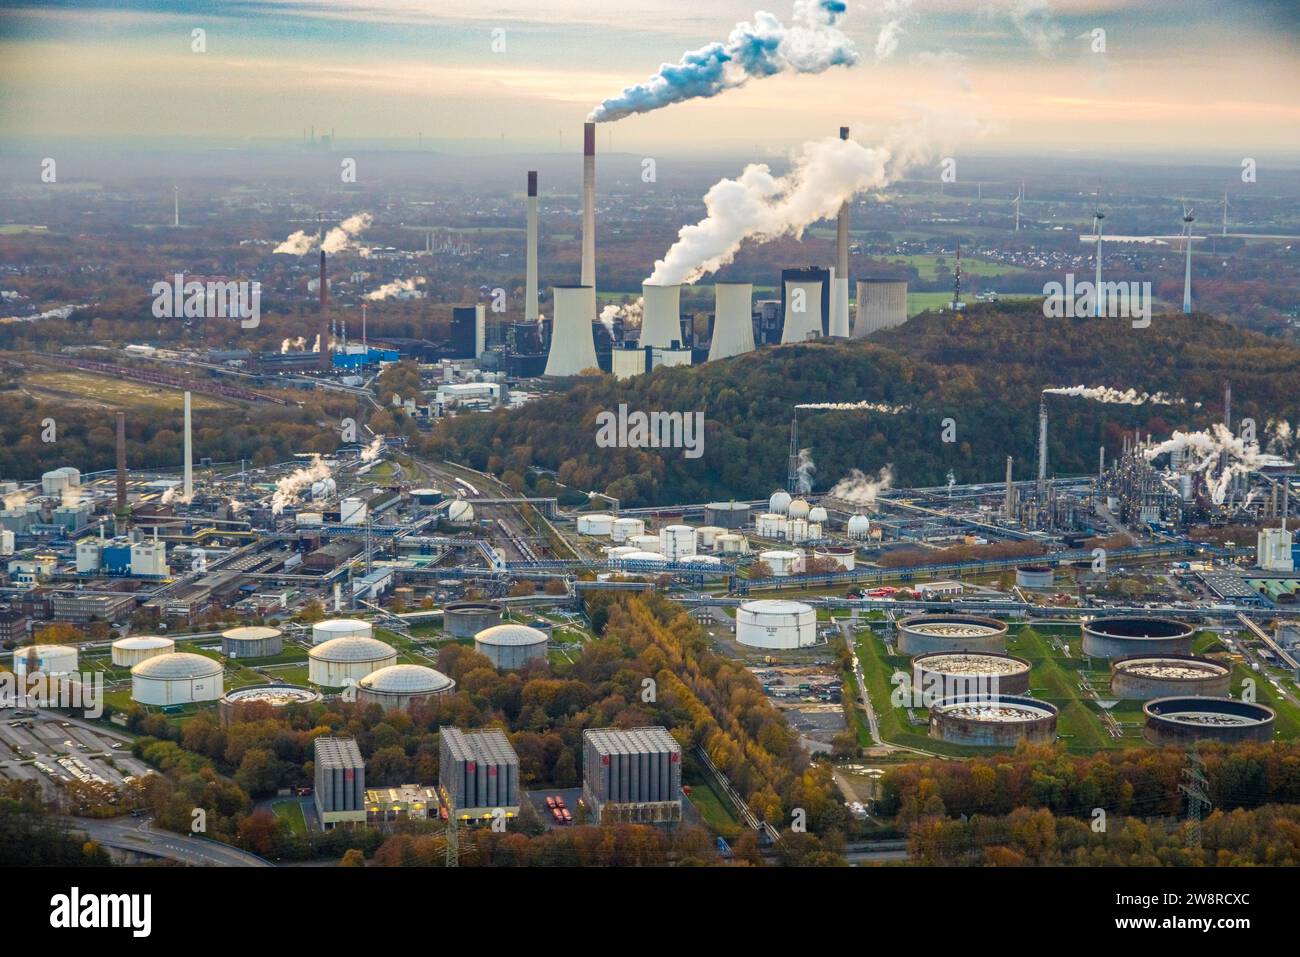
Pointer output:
52, 750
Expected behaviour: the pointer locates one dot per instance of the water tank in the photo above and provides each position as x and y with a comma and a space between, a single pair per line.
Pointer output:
597, 524
676, 541
624, 528
352, 511
129, 652
332, 628
460, 511
780, 502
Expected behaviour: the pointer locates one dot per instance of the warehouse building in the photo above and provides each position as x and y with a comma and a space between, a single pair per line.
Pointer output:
340, 782
478, 773
632, 776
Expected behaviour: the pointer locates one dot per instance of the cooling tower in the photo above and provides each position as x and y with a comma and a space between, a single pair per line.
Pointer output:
189, 452
530, 280
661, 323
733, 329
882, 304
839, 311
572, 346
803, 313
589, 205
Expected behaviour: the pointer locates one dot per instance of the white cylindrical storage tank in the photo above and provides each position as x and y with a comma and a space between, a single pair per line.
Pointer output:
129, 652
796, 530
661, 322
701, 560
859, 526
770, 525
460, 511
47, 659
882, 304
652, 557
177, 678
706, 535
645, 543
341, 661
332, 628
817, 515
839, 554
397, 687
54, 481
798, 509
352, 511
624, 528
614, 552
310, 518
731, 544
782, 562
252, 641
814, 531
511, 646
779, 504
776, 623
676, 541
596, 524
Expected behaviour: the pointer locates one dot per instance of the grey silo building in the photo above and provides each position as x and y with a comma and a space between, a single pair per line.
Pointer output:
340, 782
632, 775
479, 772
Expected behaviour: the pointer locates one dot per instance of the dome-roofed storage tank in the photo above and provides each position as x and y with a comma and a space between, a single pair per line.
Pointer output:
465, 619
342, 661
130, 651
776, 623
397, 687
779, 503
331, 628
817, 515
252, 641
595, 524
621, 529
176, 678
47, 659
511, 646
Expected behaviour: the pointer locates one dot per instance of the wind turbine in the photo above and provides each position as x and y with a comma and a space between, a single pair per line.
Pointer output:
1188, 219
1019, 197
1225, 213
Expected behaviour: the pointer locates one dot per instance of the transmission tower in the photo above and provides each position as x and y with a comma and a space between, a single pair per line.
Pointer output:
1197, 800
453, 833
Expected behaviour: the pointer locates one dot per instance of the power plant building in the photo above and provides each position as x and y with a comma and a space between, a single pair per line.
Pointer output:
340, 790
478, 772
632, 776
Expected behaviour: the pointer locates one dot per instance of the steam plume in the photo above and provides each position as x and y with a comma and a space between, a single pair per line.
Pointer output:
858, 489
292, 485
1114, 396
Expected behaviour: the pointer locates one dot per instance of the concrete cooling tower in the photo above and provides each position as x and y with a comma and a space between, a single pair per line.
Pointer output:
661, 323
882, 304
839, 324
733, 328
803, 310
572, 346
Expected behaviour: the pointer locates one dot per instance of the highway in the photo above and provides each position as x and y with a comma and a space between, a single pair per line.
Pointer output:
137, 835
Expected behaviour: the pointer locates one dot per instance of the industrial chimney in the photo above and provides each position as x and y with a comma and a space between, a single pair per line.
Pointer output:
572, 346
661, 322
324, 317
1042, 448
733, 327
189, 452
530, 281
1009, 506
838, 325
589, 205
121, 462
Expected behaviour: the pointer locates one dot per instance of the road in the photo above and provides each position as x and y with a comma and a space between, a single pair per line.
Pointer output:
136, 835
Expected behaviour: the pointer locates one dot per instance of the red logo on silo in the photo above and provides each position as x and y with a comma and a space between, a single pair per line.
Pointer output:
347, 775
674, 757
469, 765
492, 770
605, 759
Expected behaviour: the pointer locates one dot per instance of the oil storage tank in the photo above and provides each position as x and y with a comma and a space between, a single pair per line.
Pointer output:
47, 659
632, 776
343, 661
272, 696
465, 619
965, 674
1001, 722
676, 541
595, 524
511, 646
397, 687
961, 633
332, 628
1035, 576
776, 623
130, 651
1122, 637
479, 772
726, 514
1144, 677
177, 678
1184, 721
252, 641
621, 529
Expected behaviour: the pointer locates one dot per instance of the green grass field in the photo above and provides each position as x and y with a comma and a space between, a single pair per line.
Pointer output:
290, 810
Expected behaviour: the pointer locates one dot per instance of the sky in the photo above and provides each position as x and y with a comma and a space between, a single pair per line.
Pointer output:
1185, 78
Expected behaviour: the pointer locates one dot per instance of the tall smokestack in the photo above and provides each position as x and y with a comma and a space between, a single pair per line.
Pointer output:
189, 452
1042, 448
842, 230
121, 462
1009, 506
838, 319
176, 197
530, 281
1101, 462
733, 327
324, 317
589, 205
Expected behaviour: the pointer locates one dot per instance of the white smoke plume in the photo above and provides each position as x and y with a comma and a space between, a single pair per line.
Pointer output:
1283, 436
237, 506
859, 489
896, 13
1114, 396
339, 237
298, 344
1206, 453
288, 489
176, 495
396, 286
765, 47
71, 495
863, 406
631, 314
373, 450
759, 206
16, 500
805, 469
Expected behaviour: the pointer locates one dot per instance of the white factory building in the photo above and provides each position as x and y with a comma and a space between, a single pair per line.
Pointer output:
1273, 550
